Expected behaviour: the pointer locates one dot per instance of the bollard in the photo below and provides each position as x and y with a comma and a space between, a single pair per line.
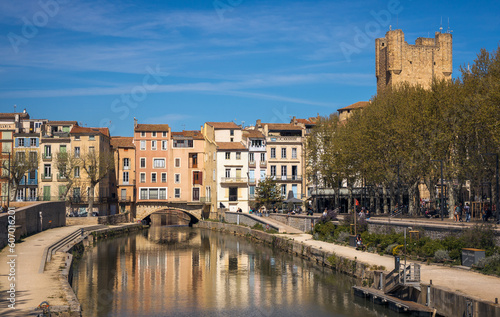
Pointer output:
428, 302
381, 284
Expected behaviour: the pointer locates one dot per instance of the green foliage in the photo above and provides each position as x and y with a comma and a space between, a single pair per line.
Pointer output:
258, 226
441, 256
490, 264
267, 193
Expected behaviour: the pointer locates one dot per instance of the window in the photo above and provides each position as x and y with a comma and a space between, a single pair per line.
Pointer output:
153, 193
77, 138
196, 194
91, 137
77, 171
231, 139
77, 151
262, 157
283, 152
163, 177
143, 134
153, 145
256, 143
143, 162
262, 174
233, 193
123, 194
143, 145
20, 141
177, 178
47, 170
283, 172
213, 175
238, 155
294, 153
153, 177
251, 175
125, 177
294, 190
251, 157
228, 155
231, 132
143, 177
47, 153
159, 163
33, 157
164, 145
144, 193
153, 134
91, 149
283, 190
177, 193
126, 163
183, 143
32, 142
177, 162
164, 134
62, 148
273, 170
273, 152
228, 172
193, 159
251, 192
163, 193
197, 178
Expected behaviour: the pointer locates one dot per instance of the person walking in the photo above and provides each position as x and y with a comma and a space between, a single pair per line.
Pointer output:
467, 212
459, 211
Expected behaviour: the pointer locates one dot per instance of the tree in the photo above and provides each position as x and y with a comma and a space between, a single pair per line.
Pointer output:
21, 163
267, 193
66, 164
97, 166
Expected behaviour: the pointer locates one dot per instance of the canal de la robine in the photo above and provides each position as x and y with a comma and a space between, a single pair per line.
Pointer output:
183, 271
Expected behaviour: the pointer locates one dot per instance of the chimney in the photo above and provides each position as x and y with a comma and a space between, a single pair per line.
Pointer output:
257, 124
294, 120
135, 122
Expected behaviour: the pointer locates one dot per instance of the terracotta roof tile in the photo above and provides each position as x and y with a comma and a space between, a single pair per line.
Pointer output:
282, 126
306, 121
253, 134
224, 125
12, 115
78, 129
124, 142
62, 122
152, 128
196, 135
357, 105
230, 146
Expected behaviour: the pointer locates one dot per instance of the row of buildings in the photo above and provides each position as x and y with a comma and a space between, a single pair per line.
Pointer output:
218, 166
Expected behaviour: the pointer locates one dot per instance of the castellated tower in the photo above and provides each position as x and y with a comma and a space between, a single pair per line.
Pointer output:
397, 61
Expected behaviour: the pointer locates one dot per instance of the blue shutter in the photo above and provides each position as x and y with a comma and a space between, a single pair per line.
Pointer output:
37, 142
17, 142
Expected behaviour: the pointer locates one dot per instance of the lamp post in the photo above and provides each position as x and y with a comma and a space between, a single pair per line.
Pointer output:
497, 201
442, 189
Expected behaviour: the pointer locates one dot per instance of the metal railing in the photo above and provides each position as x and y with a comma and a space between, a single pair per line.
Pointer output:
46, 178
46, 156
409, 273
233, 197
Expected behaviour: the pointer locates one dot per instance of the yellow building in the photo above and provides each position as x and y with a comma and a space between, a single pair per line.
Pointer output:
124, 174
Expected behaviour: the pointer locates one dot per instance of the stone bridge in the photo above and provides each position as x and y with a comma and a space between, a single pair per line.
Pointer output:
145, 209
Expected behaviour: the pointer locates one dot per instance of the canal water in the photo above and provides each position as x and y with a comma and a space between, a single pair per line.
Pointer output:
182, 271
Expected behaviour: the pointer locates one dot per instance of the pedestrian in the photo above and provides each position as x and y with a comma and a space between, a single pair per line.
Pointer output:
455, 213
324, 213
467, 212
459, 211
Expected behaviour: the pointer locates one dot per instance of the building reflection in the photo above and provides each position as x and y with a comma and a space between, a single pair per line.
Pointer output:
180, 270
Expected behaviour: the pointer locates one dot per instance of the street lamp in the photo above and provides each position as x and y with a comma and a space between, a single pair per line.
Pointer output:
442, 189
497, 203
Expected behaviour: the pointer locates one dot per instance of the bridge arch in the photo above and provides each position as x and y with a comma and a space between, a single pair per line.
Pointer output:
145, 211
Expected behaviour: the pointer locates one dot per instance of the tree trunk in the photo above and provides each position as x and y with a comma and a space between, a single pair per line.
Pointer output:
371, 202
377, 200
91, 200
414, 198
349, 200
392, 198
453, 197
384, 197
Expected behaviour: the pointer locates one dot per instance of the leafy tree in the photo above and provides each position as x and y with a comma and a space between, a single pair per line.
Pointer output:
267, 193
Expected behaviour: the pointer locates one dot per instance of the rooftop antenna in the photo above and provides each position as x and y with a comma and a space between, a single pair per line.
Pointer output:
390, 27
15, 106
441, 26
449, 31
242, 124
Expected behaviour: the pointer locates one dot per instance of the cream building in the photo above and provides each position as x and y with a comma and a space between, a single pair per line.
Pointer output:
257, 163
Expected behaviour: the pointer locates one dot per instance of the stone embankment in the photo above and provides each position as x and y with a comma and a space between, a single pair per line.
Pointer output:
451, 291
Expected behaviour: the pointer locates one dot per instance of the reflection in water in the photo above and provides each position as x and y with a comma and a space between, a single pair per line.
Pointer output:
194, 272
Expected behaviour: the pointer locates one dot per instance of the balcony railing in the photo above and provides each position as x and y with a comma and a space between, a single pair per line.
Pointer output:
287, 178
46, 177
233, 197
234, 180
47, 156
257, 148
263, 163
251, 180
29, 182
251, 163
284, 139
61, 177
124, 199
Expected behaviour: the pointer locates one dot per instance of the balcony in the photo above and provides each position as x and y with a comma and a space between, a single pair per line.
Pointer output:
234, 180
263, 163
47, 157
29, 182
251, 180
233, 197
46, 177
251, 196
251, 164
281, 139
285, 178
261, 148
125, 199
61, 177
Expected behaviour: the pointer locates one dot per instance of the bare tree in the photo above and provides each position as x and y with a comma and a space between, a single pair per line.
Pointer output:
21, 163
66, 164
97, 166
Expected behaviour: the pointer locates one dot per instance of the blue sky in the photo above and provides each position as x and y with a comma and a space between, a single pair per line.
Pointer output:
185, 62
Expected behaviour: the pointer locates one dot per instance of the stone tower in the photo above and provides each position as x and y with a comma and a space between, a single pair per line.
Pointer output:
397, 61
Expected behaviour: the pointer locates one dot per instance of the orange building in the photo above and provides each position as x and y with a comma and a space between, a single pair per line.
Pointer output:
124, 173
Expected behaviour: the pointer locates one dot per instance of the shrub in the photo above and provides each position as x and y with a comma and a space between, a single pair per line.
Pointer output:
258, 226
324, 230
441, 256
490, 264
343, 236
390, 248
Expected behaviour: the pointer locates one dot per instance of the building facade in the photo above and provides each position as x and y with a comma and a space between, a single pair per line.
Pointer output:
123, 180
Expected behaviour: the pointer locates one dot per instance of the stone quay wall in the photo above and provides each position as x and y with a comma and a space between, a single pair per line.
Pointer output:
300, 222
27, 220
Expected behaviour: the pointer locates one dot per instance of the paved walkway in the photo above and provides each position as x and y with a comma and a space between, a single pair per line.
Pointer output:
471, 283
282, 228
32, 287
